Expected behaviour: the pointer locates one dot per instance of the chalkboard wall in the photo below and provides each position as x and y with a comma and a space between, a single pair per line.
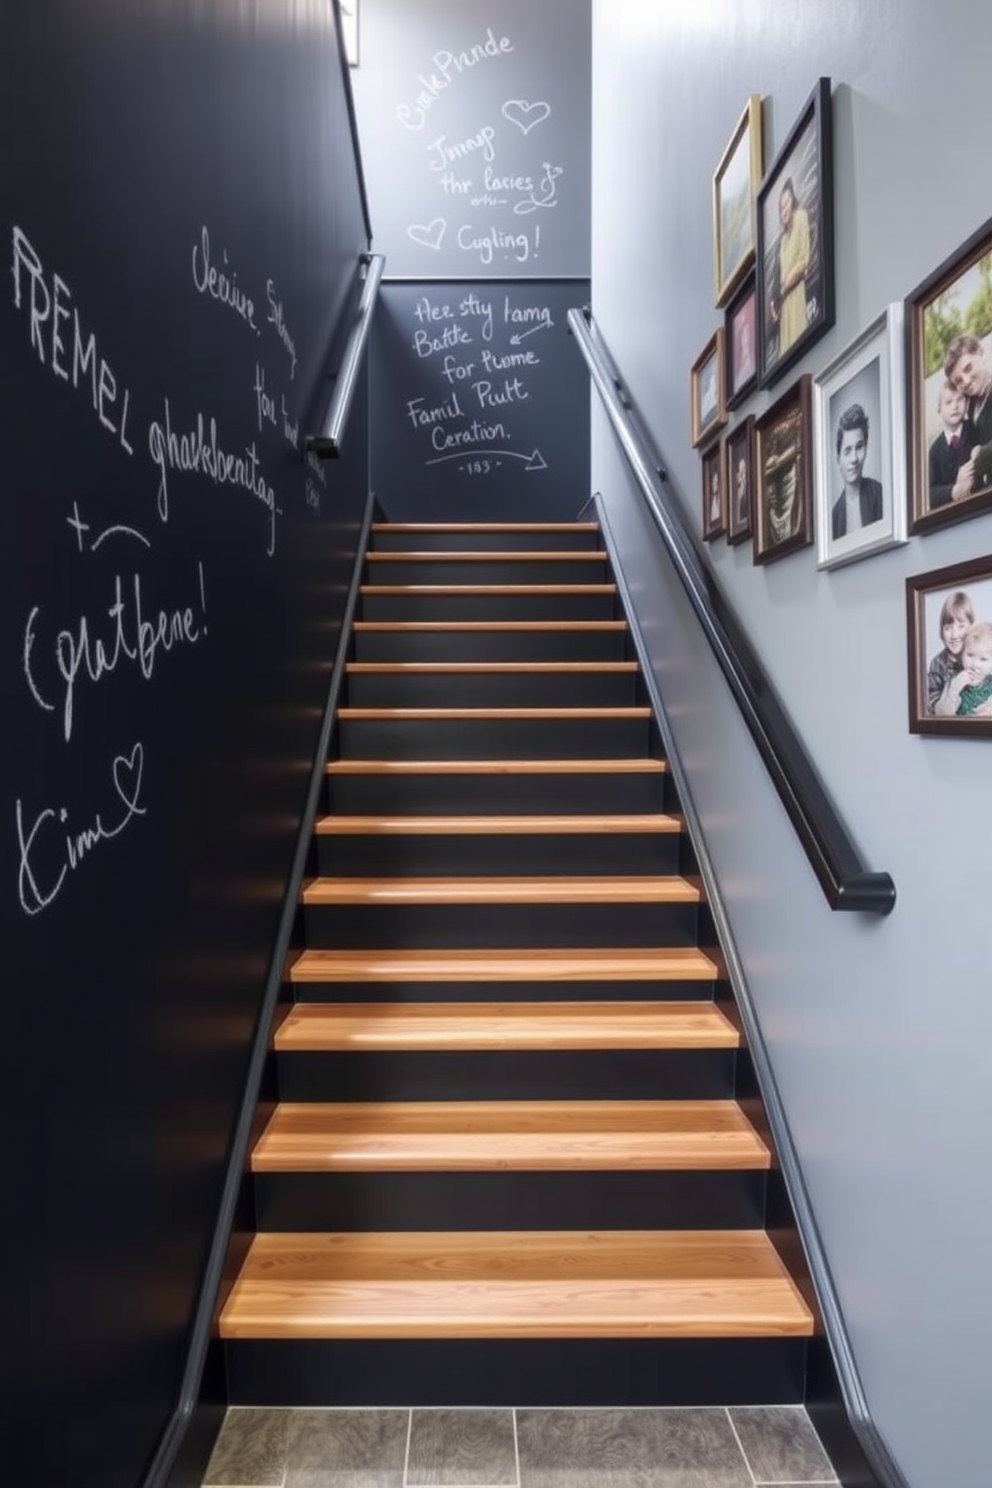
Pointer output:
476, 125
480, 402
181, 218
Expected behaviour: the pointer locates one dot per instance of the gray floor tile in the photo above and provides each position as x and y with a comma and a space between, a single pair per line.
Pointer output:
462, 1446
250, 1451
646, 1448
347, 1448
781, 1445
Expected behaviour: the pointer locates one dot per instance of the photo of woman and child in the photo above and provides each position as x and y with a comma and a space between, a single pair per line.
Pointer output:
959, 676
958, 390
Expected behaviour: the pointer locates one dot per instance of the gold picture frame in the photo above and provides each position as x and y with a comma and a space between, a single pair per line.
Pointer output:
735, 190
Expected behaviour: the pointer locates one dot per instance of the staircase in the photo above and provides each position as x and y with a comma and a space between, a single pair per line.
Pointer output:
506, 1164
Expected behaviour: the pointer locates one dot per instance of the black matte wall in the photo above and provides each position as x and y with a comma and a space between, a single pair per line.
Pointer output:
135, 953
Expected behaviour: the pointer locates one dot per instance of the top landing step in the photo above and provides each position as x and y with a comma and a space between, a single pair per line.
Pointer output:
483, 536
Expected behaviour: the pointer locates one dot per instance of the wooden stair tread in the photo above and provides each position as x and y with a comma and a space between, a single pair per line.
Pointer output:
485, 526
642, 765
472, 1136
488, 589
453, 826
627, 964
405, 627
547, 1026
488, 715
625, 889
474, 668
515, 1284
494, 555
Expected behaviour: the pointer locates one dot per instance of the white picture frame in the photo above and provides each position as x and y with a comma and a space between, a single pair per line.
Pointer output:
868, 375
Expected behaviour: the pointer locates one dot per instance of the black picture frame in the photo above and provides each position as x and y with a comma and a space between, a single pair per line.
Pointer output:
738, 479
782, 508
740, 341
947, 607
788, 325
714, 492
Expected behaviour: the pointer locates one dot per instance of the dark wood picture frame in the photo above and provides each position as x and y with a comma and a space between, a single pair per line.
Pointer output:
708, 390
936, 320
738, 479
735, 185
714, 510
789, 324
783, 465
944, 608
740, 339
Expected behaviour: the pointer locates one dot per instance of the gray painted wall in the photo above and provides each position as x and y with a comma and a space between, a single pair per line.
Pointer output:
879, 1031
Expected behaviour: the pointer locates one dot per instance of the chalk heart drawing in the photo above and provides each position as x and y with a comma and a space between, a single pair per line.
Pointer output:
429, 236
526, 116
128, 769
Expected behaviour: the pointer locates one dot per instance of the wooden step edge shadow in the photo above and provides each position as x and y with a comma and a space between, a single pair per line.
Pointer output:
477, 890
488, 668
396, 527
509, 1136
495, 555
641, 765
406, 627
533, 966
487, 590
650, 823
490, 715
515, 1284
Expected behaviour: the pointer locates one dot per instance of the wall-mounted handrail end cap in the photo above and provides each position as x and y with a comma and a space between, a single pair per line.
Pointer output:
873, 893
325, 449
662, 472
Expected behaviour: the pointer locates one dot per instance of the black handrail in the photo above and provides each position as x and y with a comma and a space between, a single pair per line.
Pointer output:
328, 442
845, 880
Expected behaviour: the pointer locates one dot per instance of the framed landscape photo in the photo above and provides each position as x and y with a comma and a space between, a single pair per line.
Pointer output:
735, 185
707, 390
782, 508
740, 336
738, 479
949, 331
714, 494
949, 635
795, 258
859, 469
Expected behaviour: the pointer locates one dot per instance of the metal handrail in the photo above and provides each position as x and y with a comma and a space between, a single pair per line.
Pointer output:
327, 443
838, 866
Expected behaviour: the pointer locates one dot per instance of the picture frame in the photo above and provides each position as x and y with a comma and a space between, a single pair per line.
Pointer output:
859, 415
738, 479
949, 336
714, 492
740, 339
782, 509
735, 185
795, 233
949, 650
708, 390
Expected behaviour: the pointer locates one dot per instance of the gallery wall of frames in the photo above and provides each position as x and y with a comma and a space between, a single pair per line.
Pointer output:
893, 438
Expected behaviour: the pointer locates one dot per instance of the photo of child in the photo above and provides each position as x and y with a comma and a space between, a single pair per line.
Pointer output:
950, 460
954, 655
968, 693
957, 615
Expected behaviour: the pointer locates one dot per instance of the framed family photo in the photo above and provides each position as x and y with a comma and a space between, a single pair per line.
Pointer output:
949, 331
795, 258
707, 390
740, 337
738, 479
859, 469
949, 632
714, 494
783, 461
735, 185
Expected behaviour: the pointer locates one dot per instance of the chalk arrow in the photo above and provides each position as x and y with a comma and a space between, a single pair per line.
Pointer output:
516, 339
536, 461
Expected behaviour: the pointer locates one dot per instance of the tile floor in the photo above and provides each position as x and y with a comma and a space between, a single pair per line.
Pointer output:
470, 1448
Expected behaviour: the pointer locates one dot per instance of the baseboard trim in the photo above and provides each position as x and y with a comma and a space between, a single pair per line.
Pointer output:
193, 1426
850, 1433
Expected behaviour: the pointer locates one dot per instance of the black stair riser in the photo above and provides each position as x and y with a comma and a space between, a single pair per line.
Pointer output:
500, 541
492, 690
490, 645
516, 1372
493, 605
588, 569
477, 926
359, 856
557, 991
531, 1074
568, 794
729, 1200
492, 738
